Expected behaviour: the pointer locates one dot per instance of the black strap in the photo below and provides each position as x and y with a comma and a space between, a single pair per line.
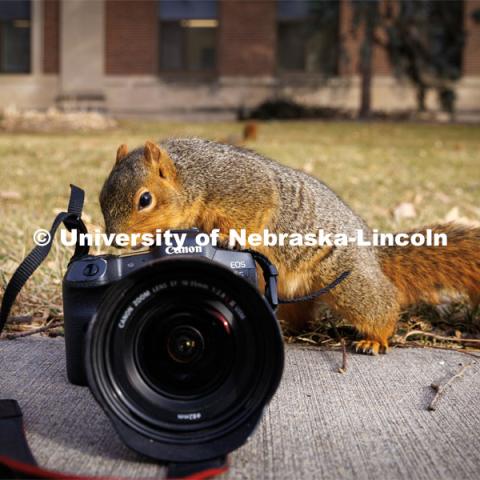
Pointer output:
12, 437
270, 275
197, 470
317, 293
72, 221
18, 462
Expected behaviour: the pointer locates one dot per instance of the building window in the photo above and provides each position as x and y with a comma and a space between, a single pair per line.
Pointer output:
188, 35
308, 36
14, 36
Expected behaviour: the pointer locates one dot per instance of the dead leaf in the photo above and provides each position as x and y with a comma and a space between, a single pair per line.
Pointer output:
10, 195
404, 210
453, 215
308, 166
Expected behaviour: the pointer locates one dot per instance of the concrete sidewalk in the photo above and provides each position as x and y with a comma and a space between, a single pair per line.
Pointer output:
371, 423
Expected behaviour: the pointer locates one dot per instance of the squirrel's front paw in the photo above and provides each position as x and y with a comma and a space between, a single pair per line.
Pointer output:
371, 347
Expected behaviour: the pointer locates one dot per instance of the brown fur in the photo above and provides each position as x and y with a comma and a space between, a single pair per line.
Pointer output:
422, 273
197, 183
250, 131
122, 152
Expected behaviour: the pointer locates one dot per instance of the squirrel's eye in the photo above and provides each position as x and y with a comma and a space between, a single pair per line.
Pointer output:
145, 200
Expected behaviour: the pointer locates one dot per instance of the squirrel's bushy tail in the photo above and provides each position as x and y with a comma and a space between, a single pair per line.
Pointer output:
421, 273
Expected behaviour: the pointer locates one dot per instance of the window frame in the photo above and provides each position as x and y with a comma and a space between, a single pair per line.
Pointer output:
4, 22
185, 72
281, 70
295, 73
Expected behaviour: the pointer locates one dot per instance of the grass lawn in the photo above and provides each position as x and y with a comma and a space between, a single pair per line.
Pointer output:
373, 166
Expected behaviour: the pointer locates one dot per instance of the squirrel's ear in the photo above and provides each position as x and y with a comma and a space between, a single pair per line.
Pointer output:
159, 158
122, 152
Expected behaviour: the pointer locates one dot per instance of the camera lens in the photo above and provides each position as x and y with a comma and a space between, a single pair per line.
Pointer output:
185, 344
183, 355
184, 350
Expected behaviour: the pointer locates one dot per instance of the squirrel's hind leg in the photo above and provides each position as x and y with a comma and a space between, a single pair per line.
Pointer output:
369, 305
372, 346
376, 331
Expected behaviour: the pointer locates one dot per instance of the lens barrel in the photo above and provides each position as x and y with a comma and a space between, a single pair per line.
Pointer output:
183, 355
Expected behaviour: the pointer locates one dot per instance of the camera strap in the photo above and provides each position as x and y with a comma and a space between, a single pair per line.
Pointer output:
270, 275
72, 221
18, 462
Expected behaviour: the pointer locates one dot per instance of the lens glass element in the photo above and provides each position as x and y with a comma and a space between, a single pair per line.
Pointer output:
185, 344
185, 350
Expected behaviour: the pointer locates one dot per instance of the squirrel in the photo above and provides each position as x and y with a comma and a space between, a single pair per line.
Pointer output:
249, 133
190, 182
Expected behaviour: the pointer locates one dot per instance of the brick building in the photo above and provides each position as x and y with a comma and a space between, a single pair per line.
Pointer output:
170, 56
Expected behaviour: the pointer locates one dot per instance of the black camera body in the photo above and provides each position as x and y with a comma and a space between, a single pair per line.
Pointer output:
177, 345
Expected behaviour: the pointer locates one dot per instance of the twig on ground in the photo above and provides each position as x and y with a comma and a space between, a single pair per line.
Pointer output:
307, 340
440, 337
51, 325
440, 387
343, 368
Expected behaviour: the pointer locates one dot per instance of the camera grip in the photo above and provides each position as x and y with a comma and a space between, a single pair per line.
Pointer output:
79, 306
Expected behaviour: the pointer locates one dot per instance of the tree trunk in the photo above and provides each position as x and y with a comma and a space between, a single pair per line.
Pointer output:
421, 94
366, 57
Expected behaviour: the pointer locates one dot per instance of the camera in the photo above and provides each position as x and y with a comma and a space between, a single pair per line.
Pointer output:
177, 344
